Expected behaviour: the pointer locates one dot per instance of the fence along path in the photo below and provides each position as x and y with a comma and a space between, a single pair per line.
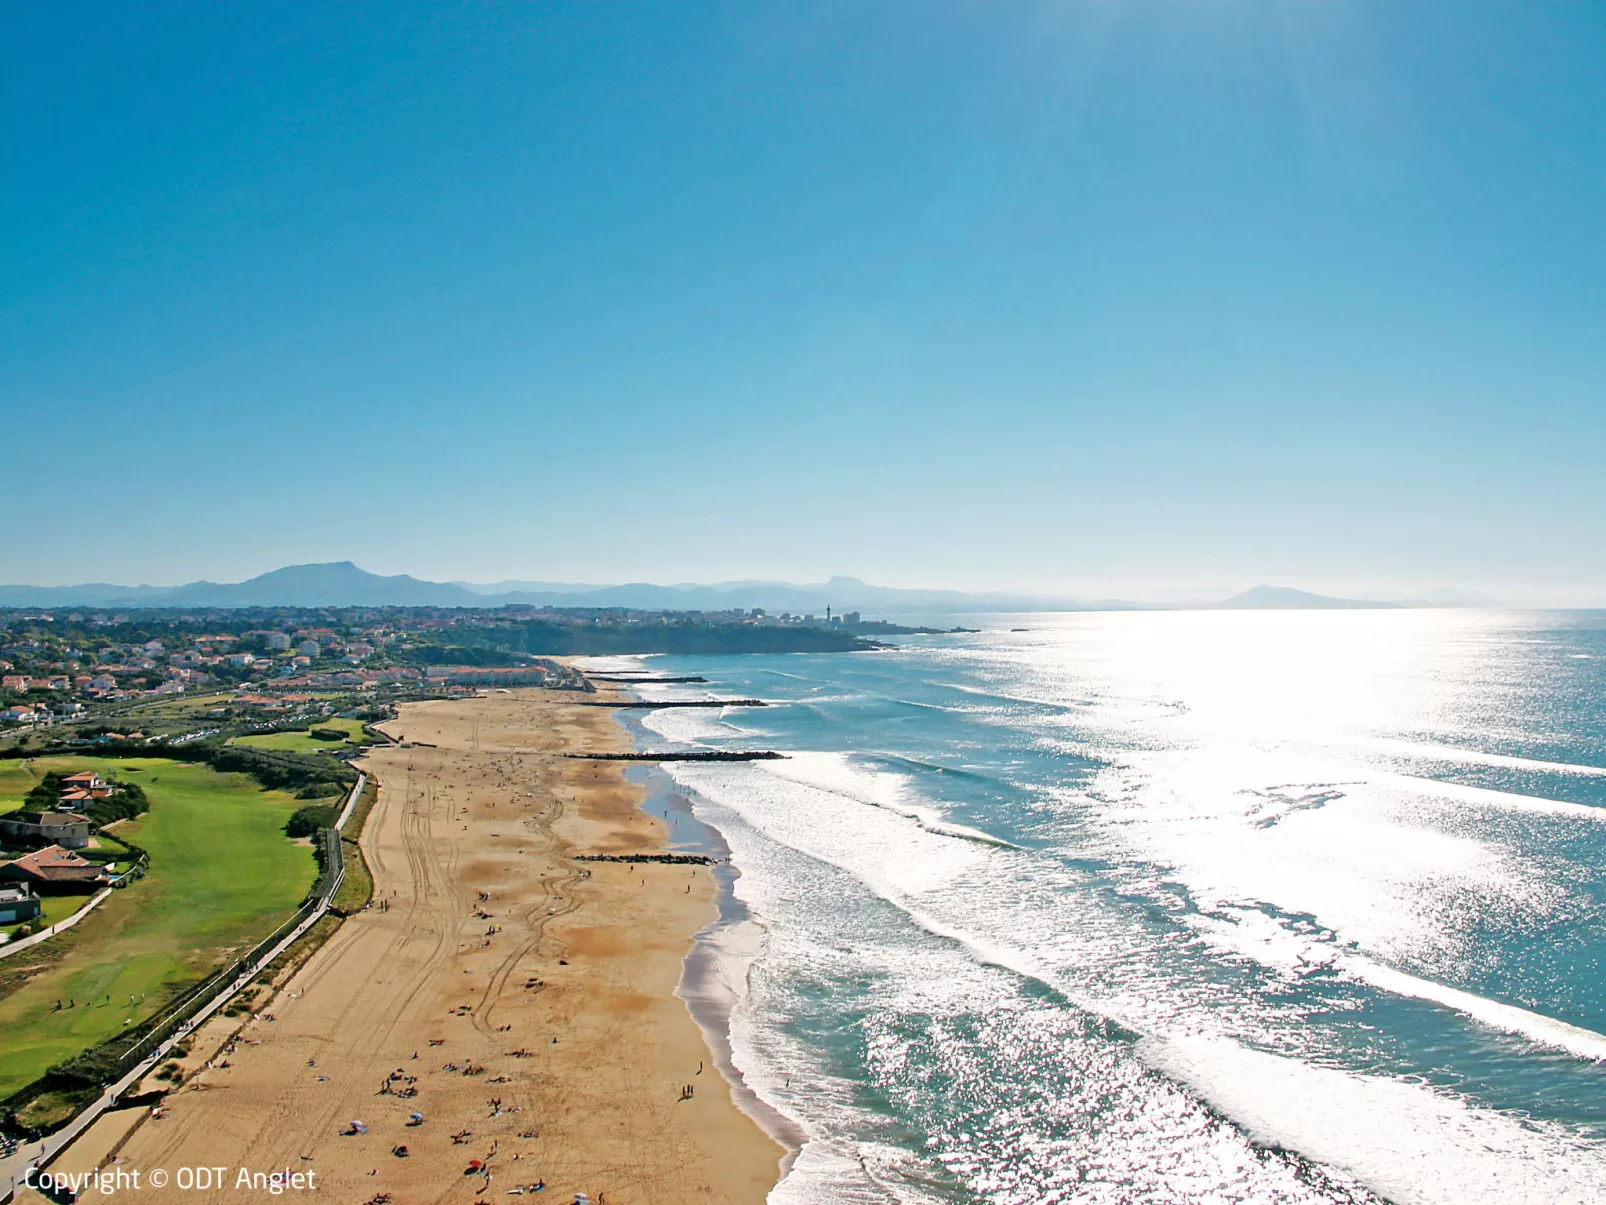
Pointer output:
194, 1010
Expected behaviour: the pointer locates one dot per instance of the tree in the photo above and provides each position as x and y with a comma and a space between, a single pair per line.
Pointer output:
306, 821
46, 794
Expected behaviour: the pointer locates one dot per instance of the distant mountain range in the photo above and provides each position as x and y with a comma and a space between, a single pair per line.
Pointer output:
840, 593
1285, 598
343, 584
340, 584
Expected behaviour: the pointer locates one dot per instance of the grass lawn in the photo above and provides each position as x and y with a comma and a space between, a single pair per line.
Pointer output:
16, 780
223, 875
301, 742
55, 908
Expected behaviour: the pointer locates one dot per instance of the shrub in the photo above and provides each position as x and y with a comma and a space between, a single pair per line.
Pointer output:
306, 821
327, 734
125, 802
46, 794
284, 771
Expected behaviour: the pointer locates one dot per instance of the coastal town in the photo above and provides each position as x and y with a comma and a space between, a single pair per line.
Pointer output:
74, 667
68, 667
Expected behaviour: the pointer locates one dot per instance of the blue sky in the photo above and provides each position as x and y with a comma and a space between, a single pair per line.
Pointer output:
1088, 297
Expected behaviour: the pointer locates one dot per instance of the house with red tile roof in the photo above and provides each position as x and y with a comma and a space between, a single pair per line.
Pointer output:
54, 871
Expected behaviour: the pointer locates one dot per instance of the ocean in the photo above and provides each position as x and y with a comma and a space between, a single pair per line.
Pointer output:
1168, 907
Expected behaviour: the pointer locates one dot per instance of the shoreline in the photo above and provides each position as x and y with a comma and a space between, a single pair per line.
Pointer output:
551, 988
724, 949
721, 951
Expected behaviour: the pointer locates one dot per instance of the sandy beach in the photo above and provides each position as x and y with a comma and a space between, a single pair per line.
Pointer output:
521, 1002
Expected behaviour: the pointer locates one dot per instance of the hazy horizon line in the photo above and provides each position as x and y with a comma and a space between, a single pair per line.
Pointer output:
1148, 593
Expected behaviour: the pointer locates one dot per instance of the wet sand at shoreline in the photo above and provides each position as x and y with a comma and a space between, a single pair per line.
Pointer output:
526, 1000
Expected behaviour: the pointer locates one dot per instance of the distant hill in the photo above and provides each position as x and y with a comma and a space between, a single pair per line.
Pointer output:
1286, 598
343, 584
839, 593
90, 594
337, 584
1449, 597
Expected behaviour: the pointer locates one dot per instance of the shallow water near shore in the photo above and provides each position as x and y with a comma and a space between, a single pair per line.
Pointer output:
1174, 907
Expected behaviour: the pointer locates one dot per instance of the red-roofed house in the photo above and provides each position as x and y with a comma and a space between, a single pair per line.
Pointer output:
54, 871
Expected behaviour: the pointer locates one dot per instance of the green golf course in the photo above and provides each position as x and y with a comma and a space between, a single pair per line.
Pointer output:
223, 875
303, 742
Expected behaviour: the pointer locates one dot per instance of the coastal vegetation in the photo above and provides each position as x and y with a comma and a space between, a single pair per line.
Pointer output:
357, 888
308, 819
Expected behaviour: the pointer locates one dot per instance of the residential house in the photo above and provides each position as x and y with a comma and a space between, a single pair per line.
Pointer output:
20, 714
17, 902
84, 787
44, 828
16, 682
54, 871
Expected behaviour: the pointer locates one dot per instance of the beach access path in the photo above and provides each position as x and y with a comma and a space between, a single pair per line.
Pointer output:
526, 1000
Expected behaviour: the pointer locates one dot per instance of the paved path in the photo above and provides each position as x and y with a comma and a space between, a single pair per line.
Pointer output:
16, 947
